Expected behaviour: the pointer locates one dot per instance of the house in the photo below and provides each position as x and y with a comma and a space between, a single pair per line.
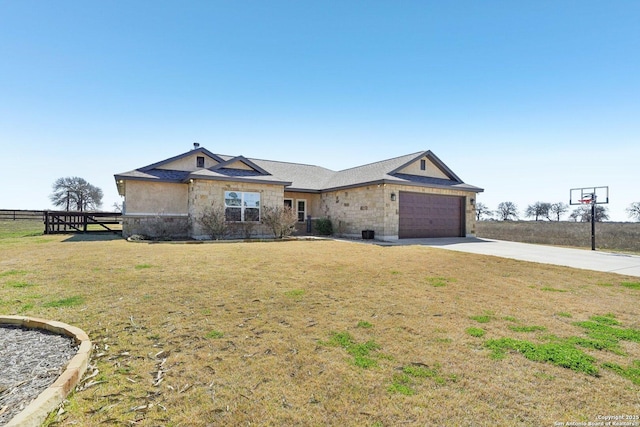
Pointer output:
415, 195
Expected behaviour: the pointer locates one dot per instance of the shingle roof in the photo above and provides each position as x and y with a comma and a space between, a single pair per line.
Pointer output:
301, 177
373, 172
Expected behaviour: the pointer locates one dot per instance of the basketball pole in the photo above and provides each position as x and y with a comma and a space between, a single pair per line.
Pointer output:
593, 223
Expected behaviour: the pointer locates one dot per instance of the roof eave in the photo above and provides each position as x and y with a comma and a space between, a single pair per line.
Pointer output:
457, 186
236, 179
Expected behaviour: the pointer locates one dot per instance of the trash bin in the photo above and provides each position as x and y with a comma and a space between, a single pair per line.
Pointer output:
367, 234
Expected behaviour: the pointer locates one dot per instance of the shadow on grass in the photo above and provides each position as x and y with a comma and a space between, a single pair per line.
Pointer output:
93, 237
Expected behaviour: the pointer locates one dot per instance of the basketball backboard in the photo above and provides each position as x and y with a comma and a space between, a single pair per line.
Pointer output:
588, 195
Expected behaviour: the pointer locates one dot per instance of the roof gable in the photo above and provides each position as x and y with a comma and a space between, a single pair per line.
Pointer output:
240, 163
185, 161
405, 170
428, 165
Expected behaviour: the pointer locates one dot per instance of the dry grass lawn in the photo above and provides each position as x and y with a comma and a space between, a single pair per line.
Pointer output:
320, 333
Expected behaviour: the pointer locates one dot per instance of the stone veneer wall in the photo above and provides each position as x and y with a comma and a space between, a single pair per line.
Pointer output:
206, 193
156, 227
356, 209
371, 208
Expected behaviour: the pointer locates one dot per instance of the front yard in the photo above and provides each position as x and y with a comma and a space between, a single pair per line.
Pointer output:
329, 333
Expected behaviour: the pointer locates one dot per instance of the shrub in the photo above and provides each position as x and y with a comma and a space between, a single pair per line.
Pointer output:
324, 227
213, 221
280, 220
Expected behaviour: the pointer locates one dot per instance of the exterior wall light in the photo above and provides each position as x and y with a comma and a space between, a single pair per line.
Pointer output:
393, 197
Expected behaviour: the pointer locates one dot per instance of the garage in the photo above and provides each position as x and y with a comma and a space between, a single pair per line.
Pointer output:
430, 215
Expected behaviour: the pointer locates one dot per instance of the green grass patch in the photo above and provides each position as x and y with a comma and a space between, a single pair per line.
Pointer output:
401, 384
564, 314
364, 324
65, 302
532, 328
438, 282
510, 319
550, 289
20, 228
483, 318
25, 307
12, 273
294, 293
143, 266
476, 332
19, 285
404, 383
631, 373
631, 285
562, 354
603, 333
361, 352
214, 334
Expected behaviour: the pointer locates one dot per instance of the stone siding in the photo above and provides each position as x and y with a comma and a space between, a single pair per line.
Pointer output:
208, 193
350, 210
156, 227
155, 198
355, 209
370, 208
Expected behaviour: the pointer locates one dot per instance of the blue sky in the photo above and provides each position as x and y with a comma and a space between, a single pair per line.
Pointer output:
526, 99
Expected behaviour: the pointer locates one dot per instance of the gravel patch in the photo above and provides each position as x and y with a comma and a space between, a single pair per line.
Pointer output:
30, 361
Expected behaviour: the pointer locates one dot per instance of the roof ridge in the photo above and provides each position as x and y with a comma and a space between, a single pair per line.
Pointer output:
383, 161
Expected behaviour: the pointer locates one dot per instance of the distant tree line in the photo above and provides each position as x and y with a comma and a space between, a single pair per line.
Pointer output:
541, 211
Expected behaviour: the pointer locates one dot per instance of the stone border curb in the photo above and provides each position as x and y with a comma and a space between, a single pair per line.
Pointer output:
38, 410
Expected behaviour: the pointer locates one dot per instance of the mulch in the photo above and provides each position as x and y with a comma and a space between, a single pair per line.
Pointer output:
30, 361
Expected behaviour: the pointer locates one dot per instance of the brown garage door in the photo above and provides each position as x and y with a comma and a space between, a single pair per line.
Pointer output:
428, 215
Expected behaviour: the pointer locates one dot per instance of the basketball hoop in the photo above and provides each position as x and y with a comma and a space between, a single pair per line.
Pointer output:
590, 196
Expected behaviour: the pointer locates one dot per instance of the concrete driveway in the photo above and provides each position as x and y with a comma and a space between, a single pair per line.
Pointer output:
576, 258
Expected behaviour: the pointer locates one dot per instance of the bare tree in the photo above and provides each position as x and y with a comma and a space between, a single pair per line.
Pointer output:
558, 209
538, 210
583, 214
482, 209
76, 193
634, 211
507, 211
281, 220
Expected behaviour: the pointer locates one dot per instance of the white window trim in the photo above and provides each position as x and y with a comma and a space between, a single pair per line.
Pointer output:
242, 207
305, 209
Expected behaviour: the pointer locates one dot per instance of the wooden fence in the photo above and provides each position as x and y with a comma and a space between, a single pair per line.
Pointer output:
17, 215
82, 222
68, 222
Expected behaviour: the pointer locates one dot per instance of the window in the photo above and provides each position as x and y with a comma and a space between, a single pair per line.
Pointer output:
288, 203
423, 165
200, 162
301, 206
242, 207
